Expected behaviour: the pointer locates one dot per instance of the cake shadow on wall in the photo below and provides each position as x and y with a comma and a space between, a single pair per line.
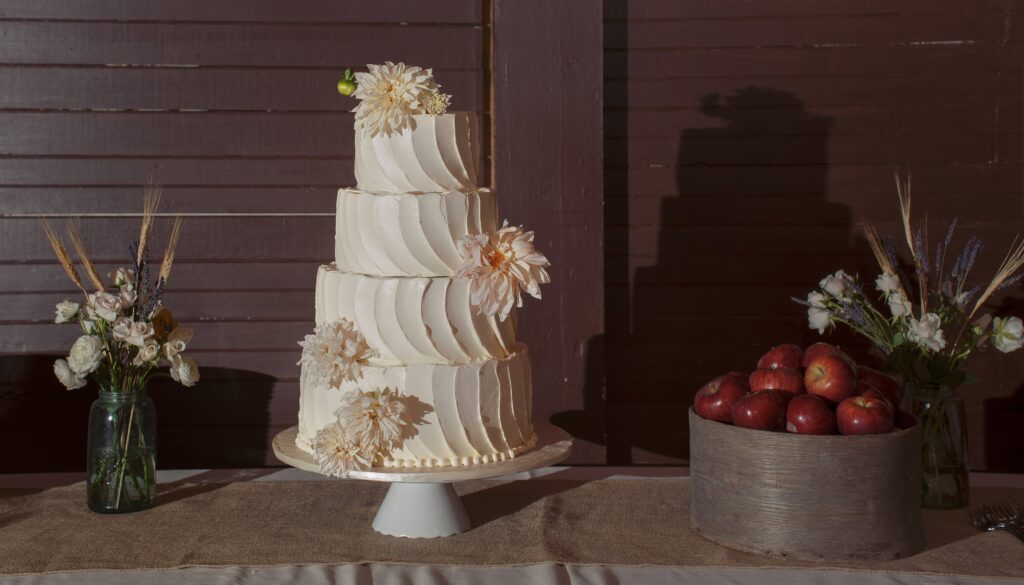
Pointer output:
222, 422
750, 226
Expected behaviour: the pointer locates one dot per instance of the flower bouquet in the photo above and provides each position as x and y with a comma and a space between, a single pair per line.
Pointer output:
127, 335
927, 322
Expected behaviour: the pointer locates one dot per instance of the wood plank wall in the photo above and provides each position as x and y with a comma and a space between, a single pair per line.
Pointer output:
745, 140
231, 106
547, 104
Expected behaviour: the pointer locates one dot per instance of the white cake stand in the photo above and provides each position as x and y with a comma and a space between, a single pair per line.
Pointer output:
421, 502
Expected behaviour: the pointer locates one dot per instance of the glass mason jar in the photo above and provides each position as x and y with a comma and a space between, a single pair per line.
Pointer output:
945, 480
121, 465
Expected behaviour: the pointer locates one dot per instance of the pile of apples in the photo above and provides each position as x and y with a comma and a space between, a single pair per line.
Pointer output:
817, 391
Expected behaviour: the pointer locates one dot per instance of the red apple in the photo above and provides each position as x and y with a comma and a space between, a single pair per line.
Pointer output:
787, 355
765, 410
808, 414
714, 400
830, 376
864, 415
886, 384
785, 379
821, 348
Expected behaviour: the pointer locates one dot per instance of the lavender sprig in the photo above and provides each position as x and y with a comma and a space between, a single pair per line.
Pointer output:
920, 253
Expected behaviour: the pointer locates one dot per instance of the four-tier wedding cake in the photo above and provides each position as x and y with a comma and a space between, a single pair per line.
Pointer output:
414, 361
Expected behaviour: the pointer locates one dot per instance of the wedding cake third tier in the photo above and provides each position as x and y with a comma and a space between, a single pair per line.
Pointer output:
414, 361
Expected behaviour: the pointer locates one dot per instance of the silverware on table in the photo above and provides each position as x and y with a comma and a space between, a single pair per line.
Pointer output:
1008, 517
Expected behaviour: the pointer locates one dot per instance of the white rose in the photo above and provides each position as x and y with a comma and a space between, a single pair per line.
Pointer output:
105, 305
177, 341
816, 299
835, 284
818, 319
128, 296
887, 283
67, 376
147, 353
1007, 334
184, 371
132, 332
927, 332
85, 355
66, 311
899, 305
122, 276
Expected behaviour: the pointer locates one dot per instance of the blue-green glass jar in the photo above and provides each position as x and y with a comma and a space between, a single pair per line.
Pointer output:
121, 467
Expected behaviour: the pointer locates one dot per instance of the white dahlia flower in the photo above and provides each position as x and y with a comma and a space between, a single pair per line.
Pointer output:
502, 266
335, 352
390, 94
373, 419
337, 453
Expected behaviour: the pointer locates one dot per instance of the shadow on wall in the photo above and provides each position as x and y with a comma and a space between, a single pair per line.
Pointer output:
750, 227
221, 422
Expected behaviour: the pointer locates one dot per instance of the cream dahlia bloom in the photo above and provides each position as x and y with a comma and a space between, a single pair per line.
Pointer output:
818, 319
390, 94
337, 453
66, 311
927, 332
105, 305
184, 371
1007, 334
335, 352
502, 266
177, 341
372, 419
147, 353
86, 354
135, 333
68, 377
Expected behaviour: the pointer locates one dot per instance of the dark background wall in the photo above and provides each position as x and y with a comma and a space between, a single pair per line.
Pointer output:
742, 144
745, 141
231, 106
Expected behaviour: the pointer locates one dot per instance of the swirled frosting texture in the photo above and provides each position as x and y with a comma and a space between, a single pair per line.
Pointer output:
413, 320
465, 414
405, 234
438, 154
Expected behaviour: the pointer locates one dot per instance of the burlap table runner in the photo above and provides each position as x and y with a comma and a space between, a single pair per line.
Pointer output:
617, 522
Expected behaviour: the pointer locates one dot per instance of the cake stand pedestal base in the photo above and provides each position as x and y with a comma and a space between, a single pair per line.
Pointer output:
421, 510
421, 502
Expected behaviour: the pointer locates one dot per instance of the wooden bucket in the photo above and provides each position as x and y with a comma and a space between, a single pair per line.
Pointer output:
807, 497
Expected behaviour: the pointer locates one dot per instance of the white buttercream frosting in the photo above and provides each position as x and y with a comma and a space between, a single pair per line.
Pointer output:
461, 414
413, 320
406, 234
437, 153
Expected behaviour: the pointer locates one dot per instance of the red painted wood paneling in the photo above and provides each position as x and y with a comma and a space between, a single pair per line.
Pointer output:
232, 107
547, 102
744, 143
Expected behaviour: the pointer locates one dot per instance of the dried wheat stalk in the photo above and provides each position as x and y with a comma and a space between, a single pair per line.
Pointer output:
83, 256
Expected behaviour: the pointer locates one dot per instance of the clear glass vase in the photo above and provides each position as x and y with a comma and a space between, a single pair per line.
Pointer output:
121, 468
945, 479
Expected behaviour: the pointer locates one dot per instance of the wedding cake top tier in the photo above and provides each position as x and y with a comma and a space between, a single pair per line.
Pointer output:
414, 320
406, 234
436, 153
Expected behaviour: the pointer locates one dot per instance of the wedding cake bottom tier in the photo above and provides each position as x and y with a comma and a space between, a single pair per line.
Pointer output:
456, 415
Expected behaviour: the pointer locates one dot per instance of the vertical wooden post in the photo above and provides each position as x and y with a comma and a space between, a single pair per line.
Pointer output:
547, 95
